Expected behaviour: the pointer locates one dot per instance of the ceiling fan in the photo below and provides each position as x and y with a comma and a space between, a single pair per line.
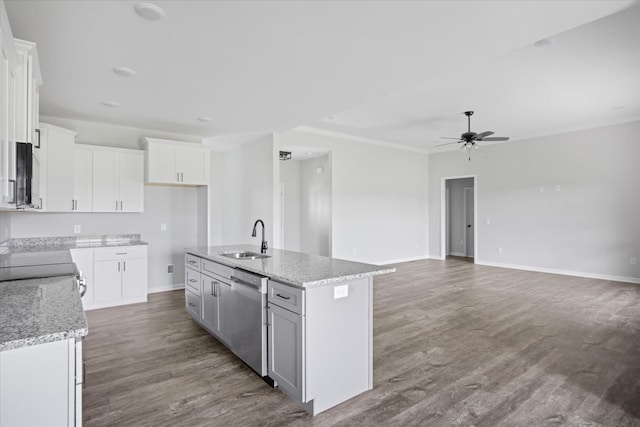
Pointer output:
470, 139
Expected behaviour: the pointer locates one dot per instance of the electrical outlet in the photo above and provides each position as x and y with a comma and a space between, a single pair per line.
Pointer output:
633, 261
500, 251
170, 268
557, 188
355, 251
488, 221
541, 189
76, 229
163, 227
341, 291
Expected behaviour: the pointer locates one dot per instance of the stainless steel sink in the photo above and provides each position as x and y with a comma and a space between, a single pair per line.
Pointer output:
243, 255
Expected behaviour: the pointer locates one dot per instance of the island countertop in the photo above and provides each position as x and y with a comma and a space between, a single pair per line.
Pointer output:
37, 311
295, 268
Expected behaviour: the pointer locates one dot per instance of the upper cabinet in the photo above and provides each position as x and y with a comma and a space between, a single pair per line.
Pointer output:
28, 84
176, 163
118, 180
56, 171
20, 80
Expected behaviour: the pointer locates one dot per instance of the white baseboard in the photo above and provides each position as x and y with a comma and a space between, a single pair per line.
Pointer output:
460, 254
399, 260
563, 272
437, 257
173, 287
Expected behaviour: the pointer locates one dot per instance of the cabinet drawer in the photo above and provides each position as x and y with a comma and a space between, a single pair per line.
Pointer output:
192, 261
192, 280
286, 296
119, 252
215, 268
192, 304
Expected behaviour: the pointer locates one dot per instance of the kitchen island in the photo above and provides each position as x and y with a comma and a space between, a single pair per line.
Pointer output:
315, 315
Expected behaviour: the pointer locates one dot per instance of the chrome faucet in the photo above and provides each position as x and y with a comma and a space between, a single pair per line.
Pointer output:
264, 246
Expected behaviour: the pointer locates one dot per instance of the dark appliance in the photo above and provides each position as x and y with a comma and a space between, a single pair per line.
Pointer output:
24, 174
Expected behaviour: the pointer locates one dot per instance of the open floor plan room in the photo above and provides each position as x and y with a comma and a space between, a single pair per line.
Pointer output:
454, 344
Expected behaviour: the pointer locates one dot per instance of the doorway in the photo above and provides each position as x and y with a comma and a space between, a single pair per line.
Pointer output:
458, 212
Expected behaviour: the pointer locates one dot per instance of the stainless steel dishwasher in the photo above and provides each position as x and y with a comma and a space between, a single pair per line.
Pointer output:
243, 318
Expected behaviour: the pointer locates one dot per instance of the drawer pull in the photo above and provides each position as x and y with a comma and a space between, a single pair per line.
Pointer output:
121, 253
283, 296
191, 261
191, 304
192, 280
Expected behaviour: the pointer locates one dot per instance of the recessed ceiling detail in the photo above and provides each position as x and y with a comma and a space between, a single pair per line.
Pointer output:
124, 71
149, 11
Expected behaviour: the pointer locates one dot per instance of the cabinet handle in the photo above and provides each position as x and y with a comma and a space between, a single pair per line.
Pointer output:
181, 176
215, 289
121, 205
191, 304
191, 261
116, 205
73, 205
192, 280
124, 265
118, 266
76, 202
283, 296
37, 132
178, 176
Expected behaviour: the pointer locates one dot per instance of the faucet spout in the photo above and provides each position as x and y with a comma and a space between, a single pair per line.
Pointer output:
264, 246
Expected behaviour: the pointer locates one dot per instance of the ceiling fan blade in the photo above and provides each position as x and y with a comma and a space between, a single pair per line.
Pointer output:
496, 138
448, 137
447, 143
483, 134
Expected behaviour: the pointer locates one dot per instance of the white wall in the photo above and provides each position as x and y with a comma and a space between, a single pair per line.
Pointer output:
183, 209
456, 215
247, 192
589, 227
174, 206
315, 206
290, 179
379, 198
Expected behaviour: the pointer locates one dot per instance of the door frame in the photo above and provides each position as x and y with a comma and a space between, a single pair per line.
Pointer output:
443, 215
465, 209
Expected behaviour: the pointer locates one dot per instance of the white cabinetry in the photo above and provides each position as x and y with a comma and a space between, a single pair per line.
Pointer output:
42, 385
119, 276
175, 162
8, 73
82, 200
28, 82
57, 184
118, 180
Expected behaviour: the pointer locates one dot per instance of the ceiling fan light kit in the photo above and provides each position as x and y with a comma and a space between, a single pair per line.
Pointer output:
471, 139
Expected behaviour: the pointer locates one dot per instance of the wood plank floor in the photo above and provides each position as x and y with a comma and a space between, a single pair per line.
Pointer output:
455, 344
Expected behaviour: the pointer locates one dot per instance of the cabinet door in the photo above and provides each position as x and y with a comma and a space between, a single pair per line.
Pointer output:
35, 387
134, 283
83, 258
57, 185
131, 182
108, 281
105, 181
191, 163
161, 164
7, 129
82, 180
286, 350
210, 309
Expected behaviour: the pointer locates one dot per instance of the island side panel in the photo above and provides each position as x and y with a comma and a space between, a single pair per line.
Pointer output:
339, 336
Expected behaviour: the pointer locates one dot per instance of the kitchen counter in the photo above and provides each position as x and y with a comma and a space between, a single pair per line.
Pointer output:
295, 268
37, 311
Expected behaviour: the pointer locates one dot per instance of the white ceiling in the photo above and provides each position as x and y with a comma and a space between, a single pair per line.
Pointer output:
395, 71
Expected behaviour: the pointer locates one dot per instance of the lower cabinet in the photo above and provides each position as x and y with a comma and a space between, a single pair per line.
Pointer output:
210, 303
114, 275
42, 385
286, 350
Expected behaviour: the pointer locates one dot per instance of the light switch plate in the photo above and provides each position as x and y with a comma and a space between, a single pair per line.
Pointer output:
76, 229
341, 291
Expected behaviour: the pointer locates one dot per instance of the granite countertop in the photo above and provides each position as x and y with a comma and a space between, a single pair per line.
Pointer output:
299, 269
55, 250
38, 311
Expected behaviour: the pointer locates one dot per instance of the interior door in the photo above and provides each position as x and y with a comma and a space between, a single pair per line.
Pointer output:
469, 216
